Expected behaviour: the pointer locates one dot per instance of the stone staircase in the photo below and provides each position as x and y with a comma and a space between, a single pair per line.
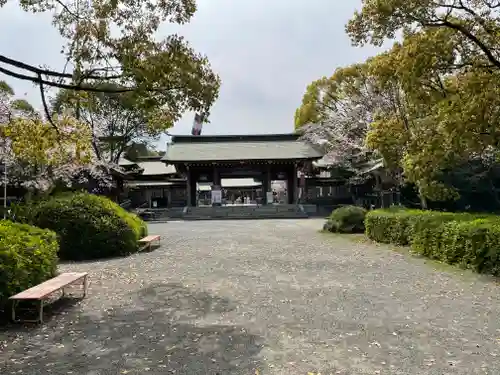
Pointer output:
164, 214
289, 211
281, 211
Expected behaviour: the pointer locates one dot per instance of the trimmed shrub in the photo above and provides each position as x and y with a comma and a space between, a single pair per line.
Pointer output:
391, 226
88, 226
28, 256
400, 226
346, 219
139, 227
428, 231
328, 226
472, 244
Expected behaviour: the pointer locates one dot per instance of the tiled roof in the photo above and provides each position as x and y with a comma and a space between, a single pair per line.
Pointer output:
156, 167
372, 166
150, 166
125, 162
235, 148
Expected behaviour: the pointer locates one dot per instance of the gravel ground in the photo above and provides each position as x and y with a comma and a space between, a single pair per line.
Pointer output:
230, 297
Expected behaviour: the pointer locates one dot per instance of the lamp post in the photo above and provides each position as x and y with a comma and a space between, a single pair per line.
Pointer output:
4, 190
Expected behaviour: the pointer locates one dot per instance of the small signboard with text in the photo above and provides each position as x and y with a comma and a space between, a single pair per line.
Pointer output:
270, 197
216, 195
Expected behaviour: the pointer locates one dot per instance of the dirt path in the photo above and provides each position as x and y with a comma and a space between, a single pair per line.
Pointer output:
230, 297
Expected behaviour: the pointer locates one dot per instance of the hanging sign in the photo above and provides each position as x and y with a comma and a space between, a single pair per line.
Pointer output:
197, 124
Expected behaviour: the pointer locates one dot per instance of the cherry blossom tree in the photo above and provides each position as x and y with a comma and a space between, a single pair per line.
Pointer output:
39, 157
336, 114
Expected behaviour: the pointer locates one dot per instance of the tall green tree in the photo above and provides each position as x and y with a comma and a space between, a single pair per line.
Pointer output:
447, 113
117, 42
475, 22
421, 105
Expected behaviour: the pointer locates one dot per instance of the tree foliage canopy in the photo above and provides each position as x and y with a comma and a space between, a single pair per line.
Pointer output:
476, 24
114, 120
336, 113
429, 105
116, 42
39, 156
10, 106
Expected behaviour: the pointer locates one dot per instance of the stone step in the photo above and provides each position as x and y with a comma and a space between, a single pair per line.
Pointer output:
232, 212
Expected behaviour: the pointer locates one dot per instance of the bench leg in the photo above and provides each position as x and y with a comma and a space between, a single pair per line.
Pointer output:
40, 312
85, 286
14, 305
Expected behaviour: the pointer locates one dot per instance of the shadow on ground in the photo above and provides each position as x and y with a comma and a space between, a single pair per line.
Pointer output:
155, 332
29, 310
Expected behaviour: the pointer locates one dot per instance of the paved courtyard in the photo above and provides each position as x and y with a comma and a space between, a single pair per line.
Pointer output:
230, 297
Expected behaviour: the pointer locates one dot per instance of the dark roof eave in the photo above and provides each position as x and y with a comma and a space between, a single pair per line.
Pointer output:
158, 174
117, 173
311, 158
234, 138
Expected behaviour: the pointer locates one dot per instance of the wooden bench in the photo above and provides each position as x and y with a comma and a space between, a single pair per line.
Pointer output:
147, 241
42, 291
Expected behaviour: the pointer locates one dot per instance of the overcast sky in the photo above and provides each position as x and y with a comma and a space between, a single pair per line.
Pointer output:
266, 52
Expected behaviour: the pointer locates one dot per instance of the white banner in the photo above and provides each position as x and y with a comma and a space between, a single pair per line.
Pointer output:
216, 196
197, 124
270, 197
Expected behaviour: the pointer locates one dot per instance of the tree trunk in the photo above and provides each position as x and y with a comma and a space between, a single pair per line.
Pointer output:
493, 192
423, 200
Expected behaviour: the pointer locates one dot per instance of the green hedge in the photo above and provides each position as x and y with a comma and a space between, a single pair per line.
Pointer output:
28, 256
88, 226
469, 240
472, 244
398, 226
346, 219
391, 226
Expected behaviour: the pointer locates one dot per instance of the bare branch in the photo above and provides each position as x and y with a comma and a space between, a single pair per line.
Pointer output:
44, 103
80, 87
51, 73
